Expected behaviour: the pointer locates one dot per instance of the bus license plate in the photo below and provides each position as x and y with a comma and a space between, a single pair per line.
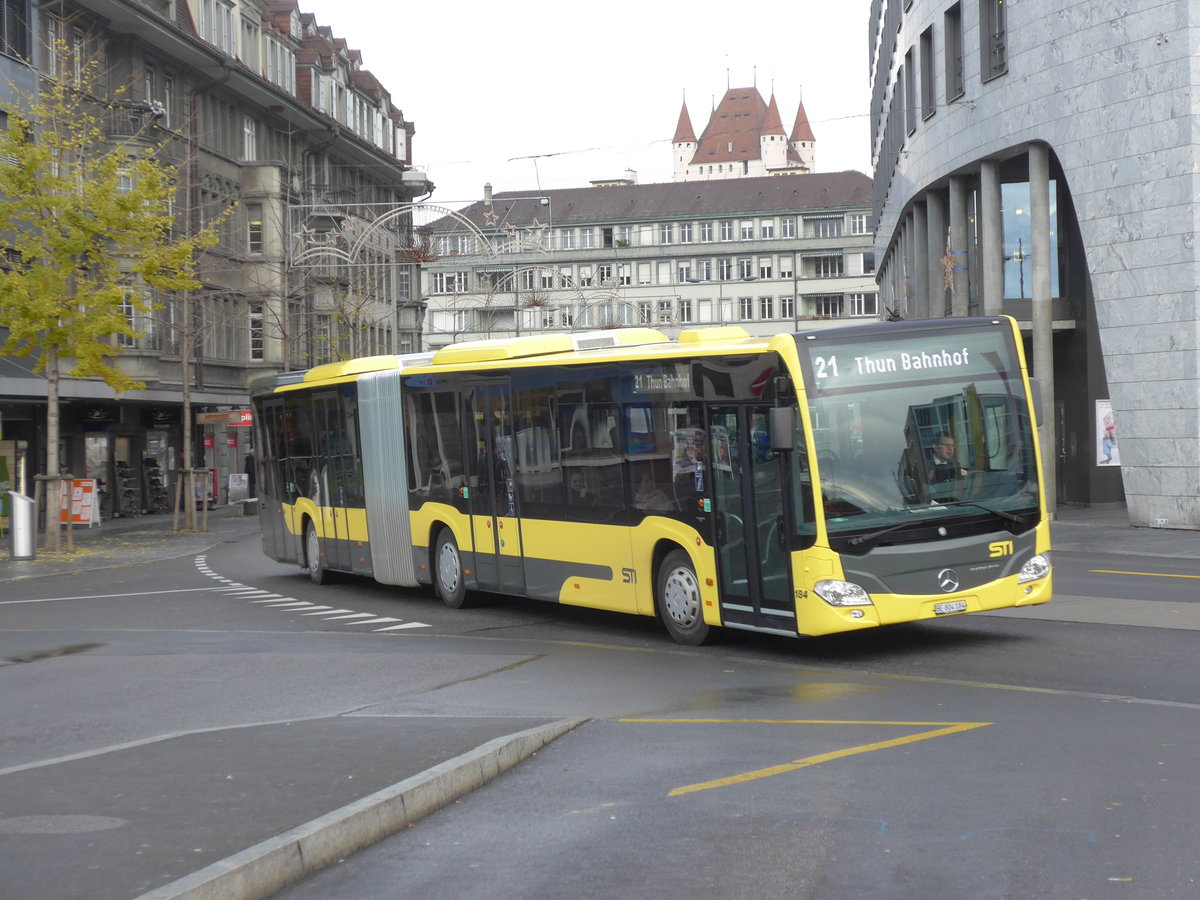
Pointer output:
951, 606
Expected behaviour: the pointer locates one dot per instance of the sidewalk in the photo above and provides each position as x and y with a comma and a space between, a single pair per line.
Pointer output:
127, 541
234, 841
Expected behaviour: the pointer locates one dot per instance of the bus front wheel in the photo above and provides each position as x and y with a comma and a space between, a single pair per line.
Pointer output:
679, 603
448, 578
312, 555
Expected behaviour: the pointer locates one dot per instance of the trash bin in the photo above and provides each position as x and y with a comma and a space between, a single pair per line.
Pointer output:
22, 526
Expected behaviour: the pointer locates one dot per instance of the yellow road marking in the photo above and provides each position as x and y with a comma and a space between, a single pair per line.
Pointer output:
949, 728
1147, 574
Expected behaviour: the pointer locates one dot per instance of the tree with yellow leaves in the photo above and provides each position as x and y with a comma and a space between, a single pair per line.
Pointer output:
86, 226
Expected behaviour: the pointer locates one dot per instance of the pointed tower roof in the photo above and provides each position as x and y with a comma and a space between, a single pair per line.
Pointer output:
734, 128
683, 130
801, 130
773, 124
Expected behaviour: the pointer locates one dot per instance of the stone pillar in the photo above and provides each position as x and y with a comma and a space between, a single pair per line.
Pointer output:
991, 234
959, 300
1043, 320
935, 217
920, 237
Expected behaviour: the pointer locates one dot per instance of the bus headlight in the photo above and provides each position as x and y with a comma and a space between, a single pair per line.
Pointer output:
1036, 567
842, 593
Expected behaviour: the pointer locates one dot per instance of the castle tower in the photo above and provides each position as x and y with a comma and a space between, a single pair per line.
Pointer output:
803, 143
683, 145
772, 140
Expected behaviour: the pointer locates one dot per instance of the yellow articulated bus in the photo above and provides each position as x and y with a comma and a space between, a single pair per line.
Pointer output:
800, 484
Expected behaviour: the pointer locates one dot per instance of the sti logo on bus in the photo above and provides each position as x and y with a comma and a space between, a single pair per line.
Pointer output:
1000, 548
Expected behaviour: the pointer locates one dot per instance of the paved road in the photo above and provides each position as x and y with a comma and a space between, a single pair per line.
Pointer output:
128, 802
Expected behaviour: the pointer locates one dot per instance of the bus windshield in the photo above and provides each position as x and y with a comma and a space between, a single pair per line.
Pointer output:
917, 427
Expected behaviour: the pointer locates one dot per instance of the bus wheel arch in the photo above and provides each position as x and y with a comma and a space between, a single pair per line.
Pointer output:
678, 599
449, 579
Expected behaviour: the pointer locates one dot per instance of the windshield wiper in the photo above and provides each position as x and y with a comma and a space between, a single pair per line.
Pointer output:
1006, 516
873, 536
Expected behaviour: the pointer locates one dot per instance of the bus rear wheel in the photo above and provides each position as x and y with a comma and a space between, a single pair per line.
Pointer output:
448, 578
312, 555
679, 603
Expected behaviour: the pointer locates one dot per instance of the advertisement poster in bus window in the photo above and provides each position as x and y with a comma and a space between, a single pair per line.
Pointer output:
687, 454
1107, 453
721, 458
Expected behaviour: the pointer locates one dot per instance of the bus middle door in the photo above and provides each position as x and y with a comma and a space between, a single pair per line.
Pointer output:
495, 524
749, 491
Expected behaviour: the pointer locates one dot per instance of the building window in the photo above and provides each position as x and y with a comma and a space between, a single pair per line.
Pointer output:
128, 341
747, 231
460, 320
786, 309
685, 232
14, 29
868, 262
765, 269
450, 282
254, 228
665, 313
727, 229
567, 237
606, 237
745, 267
993, 42
928, 108
825, 266
704, 270
548, 316
827, 306
249, 139
216, 25
604, 274
625, 236
788, 227
766, 307
954, 52
257, 340
724, 268
685, 273
666, 233
587, 238
1018, 240
585, 276
824, 228
785, 267
766, 229
685, 311
746, 307
859, 223
863, 304
706, 232
910, 93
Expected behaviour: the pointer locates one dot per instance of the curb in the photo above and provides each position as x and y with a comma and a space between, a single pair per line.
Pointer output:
267, 868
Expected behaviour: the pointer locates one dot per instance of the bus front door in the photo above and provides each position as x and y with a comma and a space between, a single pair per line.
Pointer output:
748, 491
493, 501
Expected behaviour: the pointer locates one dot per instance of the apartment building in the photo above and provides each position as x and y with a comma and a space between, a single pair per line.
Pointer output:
773, 253
274, 116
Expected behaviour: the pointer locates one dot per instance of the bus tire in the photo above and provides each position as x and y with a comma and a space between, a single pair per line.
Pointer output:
315, 563
680, 607
449, 582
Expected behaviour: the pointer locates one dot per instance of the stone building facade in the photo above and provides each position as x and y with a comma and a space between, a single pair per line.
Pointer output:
1038, 159
273, 116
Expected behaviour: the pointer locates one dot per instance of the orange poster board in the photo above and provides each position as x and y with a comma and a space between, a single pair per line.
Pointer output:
83, 509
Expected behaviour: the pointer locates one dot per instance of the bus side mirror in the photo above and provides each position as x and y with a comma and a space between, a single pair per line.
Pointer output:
782, 425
